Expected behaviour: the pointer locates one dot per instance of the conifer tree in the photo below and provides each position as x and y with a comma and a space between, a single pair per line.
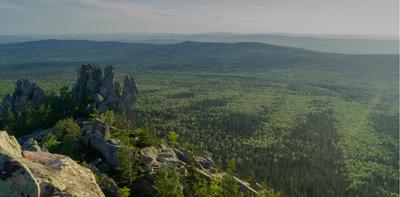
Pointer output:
195, 186
229, 185
167, 183
128, 166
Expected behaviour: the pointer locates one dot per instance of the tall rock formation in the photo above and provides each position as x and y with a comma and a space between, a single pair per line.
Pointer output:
28, 173
104, 93
88, 84
25, 95
129, 97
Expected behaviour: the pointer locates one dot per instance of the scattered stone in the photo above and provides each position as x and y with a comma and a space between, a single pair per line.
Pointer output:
149, 155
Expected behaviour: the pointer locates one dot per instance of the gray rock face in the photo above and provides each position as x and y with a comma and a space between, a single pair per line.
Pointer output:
31, 145
26, 94
97, 136
129, 97
88, 83
110, 91
104, 92
37, 135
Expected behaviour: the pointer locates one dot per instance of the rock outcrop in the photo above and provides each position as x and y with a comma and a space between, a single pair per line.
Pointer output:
32, 145
26, 94
97, 136
94, 90
29, 173
153, 158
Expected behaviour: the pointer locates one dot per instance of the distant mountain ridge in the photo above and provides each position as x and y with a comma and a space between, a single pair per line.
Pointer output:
335, 44
190, 55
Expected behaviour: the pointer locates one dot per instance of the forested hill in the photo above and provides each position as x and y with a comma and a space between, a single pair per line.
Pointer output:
190, 55
335, 44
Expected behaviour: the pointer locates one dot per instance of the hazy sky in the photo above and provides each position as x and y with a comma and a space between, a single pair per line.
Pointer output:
190, 16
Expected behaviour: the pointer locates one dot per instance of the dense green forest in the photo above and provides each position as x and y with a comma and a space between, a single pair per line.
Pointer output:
304, 123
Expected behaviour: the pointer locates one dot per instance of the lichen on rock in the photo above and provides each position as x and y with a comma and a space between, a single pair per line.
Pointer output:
29, 173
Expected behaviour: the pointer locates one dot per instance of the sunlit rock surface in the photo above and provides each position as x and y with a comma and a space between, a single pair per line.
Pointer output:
29, 173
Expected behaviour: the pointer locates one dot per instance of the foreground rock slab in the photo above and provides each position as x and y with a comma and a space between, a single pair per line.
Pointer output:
28, 173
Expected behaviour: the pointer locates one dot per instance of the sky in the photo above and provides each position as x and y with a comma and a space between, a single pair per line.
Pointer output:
334, 17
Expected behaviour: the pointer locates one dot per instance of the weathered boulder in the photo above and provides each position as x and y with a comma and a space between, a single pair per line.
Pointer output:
97, 136
9, 145
25, 95
149, 155
16, 179
205, 162
155, 157
41, 173
60, 175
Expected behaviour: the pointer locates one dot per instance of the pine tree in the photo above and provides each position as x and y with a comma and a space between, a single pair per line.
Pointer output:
173, 138
147, 136
195, 186
215, 189
229, 185
128, 166
167, 183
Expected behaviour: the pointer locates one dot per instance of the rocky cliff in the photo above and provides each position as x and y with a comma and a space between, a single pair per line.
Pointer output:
28, 173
